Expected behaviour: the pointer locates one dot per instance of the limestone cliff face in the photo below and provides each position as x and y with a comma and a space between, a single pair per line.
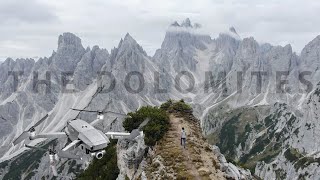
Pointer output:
130, 157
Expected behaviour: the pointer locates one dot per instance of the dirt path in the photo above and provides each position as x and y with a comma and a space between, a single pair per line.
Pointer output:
196, 161
176, 126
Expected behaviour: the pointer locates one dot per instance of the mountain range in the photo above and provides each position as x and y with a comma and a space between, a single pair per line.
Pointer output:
258, 103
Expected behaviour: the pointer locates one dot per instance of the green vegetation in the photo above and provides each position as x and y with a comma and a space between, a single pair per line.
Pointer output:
244, 136
260, 145
306, 161
258, 127
181, 106
308, 125
264, 149
166, 105
4, 164
26, 162
240, 123
105, 168
280, 174
157, 126
177, 106
291, 120
269, 120
317, 92
296, 132
269, 158
299, 160
304, 176
292, 155
268, 146
227, 136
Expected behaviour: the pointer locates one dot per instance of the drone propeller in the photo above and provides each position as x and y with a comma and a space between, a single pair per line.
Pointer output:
82, 110
144, 123
34, 147
136, 132
26, 134
100, 112
101, 125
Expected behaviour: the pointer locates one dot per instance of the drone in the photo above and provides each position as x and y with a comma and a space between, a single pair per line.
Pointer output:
82, 134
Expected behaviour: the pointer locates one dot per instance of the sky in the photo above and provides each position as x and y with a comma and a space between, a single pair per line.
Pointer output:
31, 28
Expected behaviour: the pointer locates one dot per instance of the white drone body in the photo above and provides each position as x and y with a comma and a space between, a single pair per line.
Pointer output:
90, 139
81, 134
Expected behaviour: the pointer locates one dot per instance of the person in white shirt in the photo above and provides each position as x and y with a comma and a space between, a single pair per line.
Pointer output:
183, 138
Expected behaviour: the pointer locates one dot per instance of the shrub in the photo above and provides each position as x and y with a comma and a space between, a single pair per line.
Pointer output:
157, 126
181, 106
292, 155
166, 105
178, 106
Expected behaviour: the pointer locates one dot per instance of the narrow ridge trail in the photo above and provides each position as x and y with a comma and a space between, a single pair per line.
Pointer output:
176, 126
196, 161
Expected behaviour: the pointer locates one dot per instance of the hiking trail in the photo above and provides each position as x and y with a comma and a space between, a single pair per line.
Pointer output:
172, 161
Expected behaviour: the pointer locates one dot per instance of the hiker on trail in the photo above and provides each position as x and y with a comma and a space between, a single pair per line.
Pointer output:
183, 138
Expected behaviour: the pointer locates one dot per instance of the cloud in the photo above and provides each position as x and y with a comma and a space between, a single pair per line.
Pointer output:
30, 11
33, 27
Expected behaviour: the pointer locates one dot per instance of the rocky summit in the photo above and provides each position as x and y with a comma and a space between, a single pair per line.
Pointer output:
257, 103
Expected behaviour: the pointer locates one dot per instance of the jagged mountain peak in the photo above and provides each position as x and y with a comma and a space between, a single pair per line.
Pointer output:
175, 24
180, 45
310, 54
186, 23
316, 39
69, 39
69, 44
233, 30
8, 60
184, 35
128, 43
315, 43
249, 44
69, 52
197, 25
128, 37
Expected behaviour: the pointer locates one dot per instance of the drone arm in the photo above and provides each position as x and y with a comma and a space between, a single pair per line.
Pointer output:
50, 135
95, 122
71, 145
54, 170
117, 135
